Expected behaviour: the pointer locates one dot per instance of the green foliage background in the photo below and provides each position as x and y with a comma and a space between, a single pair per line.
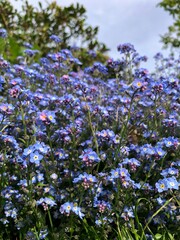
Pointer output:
36, 25
172, 37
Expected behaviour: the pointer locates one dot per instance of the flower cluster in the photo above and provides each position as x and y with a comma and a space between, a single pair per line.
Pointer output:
83, 149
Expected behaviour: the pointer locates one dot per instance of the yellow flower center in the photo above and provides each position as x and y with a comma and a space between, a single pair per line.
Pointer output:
68, 207
162, 186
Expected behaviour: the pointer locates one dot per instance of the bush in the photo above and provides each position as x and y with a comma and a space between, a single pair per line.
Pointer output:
89, 153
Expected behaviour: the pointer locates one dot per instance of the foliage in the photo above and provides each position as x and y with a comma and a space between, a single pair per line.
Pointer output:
36, 25
84, 155
172, 37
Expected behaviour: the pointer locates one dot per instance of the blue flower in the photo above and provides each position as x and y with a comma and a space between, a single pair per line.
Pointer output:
126, 48
27, 45
41, 147
87, 180
172, 183
77, 211
170, 142
162, 185
30, 52
89, 157
55, 38
160, 152
6, 108
66, 208
115, 173
23, 183
61, 154
137, 83
2, 81
11, 213
102, 205
103, 220
38, 178
100, 67
160, 200
54, 176
35, 157
10, 210
127, 213
49, 201
123, 172
3, 33
169, 171
47, 117
43, 234
28, 151
132, 162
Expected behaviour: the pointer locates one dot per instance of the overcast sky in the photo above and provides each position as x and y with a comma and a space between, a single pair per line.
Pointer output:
138, 22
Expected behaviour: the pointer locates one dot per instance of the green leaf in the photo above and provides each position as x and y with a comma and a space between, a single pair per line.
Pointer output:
15, 49
2, 45
158, 236
171, 236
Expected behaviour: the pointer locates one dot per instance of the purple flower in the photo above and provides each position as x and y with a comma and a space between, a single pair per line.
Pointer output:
27, 45
123, 172
61, 154
158, 56
125, 48
102, 205
3, 33
2, 81
47, 117
30, 52
6, 108
87, 180
106, 134
100, 67
55, 38
89, 157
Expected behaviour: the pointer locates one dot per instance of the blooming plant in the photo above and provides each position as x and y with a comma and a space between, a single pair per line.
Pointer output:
89, 153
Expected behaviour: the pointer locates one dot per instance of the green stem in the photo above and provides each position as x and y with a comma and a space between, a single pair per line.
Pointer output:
50, 219
124, 127
93, 133
156, 213
50, 143
118, 229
